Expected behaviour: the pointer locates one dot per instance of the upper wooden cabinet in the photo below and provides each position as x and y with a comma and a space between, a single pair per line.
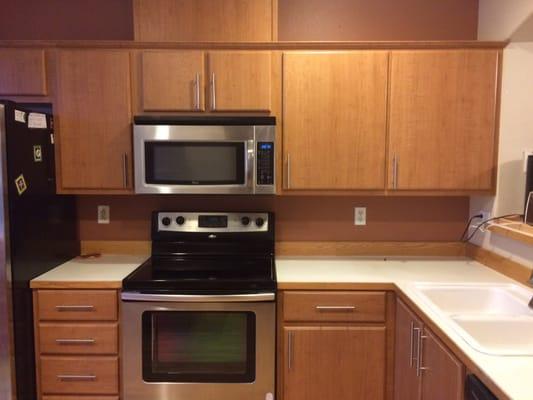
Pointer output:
240, 80
443, 111
204, 20
94, 120
172, 80
334, 119
23, 72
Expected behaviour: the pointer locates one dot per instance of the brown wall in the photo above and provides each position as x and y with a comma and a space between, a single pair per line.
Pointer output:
378, 19
297, 218
298, 19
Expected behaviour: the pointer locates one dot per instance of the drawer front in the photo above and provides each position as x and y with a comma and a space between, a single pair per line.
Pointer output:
85, 338
80, 375
334, 306
77, 305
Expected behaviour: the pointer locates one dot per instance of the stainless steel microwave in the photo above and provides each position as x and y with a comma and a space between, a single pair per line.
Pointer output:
204, 155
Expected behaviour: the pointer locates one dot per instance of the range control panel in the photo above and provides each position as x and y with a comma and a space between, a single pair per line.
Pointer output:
265, 163
212, 222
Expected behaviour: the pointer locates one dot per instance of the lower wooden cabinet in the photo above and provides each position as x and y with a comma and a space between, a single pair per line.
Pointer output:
424, 367
336, 346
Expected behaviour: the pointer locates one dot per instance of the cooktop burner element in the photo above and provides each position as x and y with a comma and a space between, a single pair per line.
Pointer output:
212, 252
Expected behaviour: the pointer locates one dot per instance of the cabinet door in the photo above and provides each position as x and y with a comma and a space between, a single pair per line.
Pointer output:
94, 119
203, 20
22, 72
341, 363
334, 119
240, 81
408, 329
442, 373
443, 119
172, 80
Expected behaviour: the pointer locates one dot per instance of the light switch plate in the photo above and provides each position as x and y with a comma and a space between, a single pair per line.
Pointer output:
103, 215
359, 216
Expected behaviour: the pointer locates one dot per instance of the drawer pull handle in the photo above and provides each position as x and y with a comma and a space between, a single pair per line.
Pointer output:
75, 341
76, 377
74, 308
335, 308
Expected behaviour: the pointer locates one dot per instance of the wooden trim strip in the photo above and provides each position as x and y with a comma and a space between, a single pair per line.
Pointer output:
439, 249
322, 45
513, 229
501, 264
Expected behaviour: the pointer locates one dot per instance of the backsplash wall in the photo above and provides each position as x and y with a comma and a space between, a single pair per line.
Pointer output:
309, 218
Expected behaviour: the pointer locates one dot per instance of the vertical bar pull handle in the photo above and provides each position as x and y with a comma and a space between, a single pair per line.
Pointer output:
213, 92
289, 350
288, 171
197, 92
125, 169
411, 344
420, 351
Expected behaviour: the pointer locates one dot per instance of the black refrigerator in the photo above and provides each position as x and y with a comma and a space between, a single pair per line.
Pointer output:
38, 231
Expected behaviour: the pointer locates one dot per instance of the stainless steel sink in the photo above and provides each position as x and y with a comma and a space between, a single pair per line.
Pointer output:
492, 319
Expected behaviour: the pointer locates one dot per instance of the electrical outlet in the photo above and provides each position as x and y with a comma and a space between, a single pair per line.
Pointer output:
485, 215
103, 215
359, 216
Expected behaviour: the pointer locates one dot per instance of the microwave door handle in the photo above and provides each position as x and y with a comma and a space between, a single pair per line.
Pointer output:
189, 298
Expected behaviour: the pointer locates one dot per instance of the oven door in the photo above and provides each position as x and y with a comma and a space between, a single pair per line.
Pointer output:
194, 159
198, 347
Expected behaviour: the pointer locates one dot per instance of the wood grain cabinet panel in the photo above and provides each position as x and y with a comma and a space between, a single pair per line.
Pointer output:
94, 120
334, 306
442, 372
77, 305
204, 20
173, 80
334, 119
443, 119
23, 72
78, 398
240, 80
78, 338
80, 375
334, 362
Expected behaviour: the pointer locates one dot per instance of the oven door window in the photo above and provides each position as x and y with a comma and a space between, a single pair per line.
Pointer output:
203, 346
195, 163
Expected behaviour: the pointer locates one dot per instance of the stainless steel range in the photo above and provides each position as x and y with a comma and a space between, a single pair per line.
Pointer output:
198, 318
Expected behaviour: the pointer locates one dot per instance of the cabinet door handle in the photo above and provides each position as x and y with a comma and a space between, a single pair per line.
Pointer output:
335, 308
125, 169
395, 164
197, 92
213, 92
74, 308
76, 377
288, 171
411, 344
75, 341
289, 350
418, 349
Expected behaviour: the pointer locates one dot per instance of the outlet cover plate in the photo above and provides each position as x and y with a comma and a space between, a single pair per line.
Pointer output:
359, 216
103, 215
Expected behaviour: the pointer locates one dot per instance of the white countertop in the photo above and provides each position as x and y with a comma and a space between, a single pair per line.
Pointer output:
512, 375
106, 271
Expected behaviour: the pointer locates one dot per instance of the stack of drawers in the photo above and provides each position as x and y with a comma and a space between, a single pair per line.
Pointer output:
77, 346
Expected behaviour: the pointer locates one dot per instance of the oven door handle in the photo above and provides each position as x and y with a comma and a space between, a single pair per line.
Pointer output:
194, 298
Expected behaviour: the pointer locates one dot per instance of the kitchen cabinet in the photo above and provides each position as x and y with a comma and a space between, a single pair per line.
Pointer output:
205, 20
424, 368
215, 81
172, 80
335, 120
23, 72
443, 119
335, 347
76, 343
94, 121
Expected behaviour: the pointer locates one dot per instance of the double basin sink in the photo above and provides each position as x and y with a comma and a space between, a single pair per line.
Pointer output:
493, 319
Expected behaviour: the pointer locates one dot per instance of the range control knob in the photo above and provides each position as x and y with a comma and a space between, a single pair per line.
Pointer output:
166, 221
259, 222
180, 220
245, 221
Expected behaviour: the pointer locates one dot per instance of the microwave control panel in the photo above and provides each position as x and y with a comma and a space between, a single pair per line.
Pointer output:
265, 163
